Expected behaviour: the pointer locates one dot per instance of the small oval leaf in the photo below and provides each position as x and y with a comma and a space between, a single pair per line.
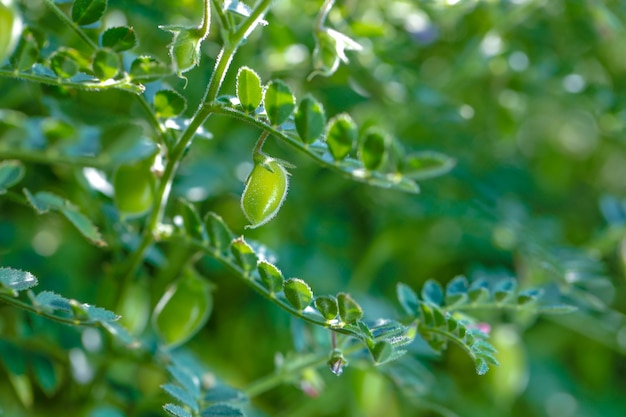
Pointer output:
327, 305
249, 89
220, 235
146, 69
341, 136
373, 149
86, 12
106, 64
426, 164
271, 277
169, 103
298, 293
310, 119
349, 310
11, 172
244, 254
279, 102
121, 38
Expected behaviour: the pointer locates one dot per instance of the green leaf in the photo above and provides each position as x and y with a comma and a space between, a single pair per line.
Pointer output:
298, 293
64, 64
271, 277
194, 228
481, 367
220, 235
181, 395
427, 315
52, 301
45, 374
147, 69
456, 291
17, 280
249, 89
381, 351
426, 164
187, 380
349, 310
11, 172
176, 410
479, 291
327, 305
407, 298
341, 135
310, 119
504, 290
222, 410
432, 292
86, 12
244, 254
373, 149
279, 102
169, 103
121, 38
106, 64
223, 393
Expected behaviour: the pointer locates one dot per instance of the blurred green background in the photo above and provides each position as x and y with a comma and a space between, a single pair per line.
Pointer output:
529, 96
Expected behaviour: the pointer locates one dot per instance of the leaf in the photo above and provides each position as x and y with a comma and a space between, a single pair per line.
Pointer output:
194, 228
481, 367
86, 12
187, 380
349, 310
220, 235
106, 64
45, 374
432, 292
169, 103
223, 393
407, 298
121, 38
271, 277
64, 63
181, 395
310, 119
222, 411
176, 410
479, 291
52, 301
341, 135
381, 351
146, 69
504, 290
244, 254
125, 143
456, 291
11, 172
298, 293
279, 102
426, 164
327, 305
17, 280
373, 149
249, 90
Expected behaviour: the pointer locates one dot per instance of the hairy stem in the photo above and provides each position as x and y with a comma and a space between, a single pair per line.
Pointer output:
175, 157
81, 34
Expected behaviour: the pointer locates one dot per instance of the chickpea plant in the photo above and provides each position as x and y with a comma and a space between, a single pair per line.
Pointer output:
136, 168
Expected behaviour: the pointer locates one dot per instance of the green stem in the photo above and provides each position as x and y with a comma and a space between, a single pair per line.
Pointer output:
258, 148
175, 157
81, 34
122, 84
50, 158
323, 14
34, 309
224, 22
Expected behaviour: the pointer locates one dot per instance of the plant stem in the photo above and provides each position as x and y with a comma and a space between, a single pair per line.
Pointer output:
81, 34
122, 84
323, 14
34, 309
204, 111
259, 143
